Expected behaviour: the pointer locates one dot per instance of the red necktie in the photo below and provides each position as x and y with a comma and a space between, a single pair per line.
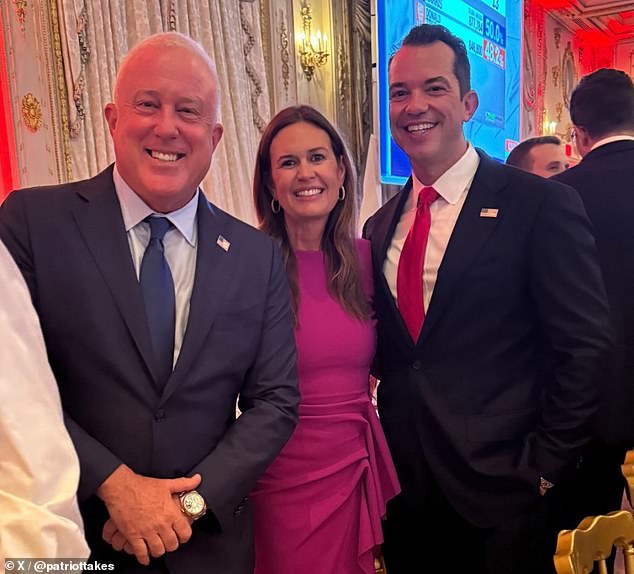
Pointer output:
409, 279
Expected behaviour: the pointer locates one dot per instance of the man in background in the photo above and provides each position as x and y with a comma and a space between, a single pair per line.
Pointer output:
602, 112
39, 517
492, 324
159, 310
543, 155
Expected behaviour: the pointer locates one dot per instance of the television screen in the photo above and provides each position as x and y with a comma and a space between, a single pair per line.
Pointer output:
491, 31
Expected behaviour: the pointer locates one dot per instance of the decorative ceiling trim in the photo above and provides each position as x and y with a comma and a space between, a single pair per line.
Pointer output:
614, 18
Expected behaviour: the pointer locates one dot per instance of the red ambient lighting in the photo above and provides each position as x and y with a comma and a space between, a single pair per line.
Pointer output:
595, 39
8, 161
552, 4
618, 28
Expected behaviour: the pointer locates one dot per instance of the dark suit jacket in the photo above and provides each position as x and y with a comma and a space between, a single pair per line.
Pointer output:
605, 181
477, 393
71, 246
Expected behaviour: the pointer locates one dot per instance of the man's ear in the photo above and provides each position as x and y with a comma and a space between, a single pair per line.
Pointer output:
582, 133
110, 111
216, 135
470, 101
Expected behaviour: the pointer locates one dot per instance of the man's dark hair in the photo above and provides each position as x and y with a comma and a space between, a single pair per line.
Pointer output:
603, 103
428, 34
519, 156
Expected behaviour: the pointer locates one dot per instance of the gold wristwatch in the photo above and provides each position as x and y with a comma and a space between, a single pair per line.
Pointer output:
192, 504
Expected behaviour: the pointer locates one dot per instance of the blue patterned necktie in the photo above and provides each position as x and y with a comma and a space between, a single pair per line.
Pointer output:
157, 288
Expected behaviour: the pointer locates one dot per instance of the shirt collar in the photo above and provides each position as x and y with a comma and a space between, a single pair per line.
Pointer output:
611, 139
452, 184
135, 210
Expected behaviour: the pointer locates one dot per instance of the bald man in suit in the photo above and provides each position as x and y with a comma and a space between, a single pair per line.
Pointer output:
159, 310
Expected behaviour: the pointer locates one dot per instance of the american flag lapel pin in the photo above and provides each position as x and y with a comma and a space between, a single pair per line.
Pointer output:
223, 243
488, 212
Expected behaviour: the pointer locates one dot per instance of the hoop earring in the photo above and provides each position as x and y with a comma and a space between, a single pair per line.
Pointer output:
275, 206
342, 193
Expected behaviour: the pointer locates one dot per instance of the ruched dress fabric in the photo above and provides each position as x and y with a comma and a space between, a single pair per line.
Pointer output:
318, 506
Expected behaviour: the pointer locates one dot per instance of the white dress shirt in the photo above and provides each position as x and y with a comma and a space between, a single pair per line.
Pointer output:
179, 244
39, 470
452, 187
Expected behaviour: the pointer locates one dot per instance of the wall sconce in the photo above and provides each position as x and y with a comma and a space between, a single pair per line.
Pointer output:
548, 127
313, 48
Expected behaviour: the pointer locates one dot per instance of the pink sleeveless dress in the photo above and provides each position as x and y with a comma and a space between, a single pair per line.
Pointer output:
318, 507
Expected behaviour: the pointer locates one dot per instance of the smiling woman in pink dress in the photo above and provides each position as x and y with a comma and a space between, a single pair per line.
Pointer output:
319, 505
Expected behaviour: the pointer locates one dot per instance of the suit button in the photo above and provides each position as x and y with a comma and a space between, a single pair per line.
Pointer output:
159, 415
416, 365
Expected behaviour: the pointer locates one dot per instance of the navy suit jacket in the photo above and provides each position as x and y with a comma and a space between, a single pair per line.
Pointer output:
605, 181
71, 246
499, 387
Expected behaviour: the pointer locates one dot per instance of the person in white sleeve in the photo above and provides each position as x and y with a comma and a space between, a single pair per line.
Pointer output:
39, 516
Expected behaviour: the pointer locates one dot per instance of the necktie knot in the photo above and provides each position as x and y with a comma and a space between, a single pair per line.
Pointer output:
158, 227
426, 196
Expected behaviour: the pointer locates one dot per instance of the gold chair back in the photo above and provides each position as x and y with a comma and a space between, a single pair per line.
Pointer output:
628, 472
592, 542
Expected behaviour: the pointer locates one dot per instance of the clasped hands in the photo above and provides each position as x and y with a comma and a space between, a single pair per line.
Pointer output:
145, 513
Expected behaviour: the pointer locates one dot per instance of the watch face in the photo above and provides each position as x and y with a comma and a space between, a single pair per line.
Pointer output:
193, 503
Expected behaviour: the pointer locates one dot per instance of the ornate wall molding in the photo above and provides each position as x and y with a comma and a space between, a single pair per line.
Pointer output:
352, 32
278, 44
71, 23
33, 83
254, 76
31, 112
20, 12
285, 54
172, 20
535, 69
61, 95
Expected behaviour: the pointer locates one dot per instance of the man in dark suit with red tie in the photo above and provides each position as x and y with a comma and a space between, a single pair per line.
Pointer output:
492, 323
602, 111
159, 310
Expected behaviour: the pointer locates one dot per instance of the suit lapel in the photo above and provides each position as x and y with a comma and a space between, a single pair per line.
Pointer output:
101, 225
386, 225
381, 239
214, 265
468, 237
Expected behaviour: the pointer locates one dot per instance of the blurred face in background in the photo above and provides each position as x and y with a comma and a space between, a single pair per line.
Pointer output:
548, 159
